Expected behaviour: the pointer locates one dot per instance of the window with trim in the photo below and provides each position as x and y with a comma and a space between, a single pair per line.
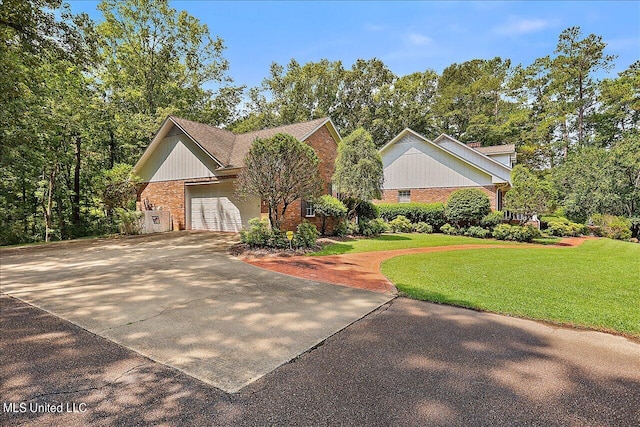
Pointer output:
404, 196
309, 210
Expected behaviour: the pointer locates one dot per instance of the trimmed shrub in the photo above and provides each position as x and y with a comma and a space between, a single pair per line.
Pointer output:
449, 229
467, 207
613, 227
327, 206
431, 213
373, 227
400, 225
565, 229
258, 233
305, 236
492, 219
516, 233
478, 232
423, 227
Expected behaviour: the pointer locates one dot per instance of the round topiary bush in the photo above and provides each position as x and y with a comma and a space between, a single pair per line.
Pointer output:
467, 207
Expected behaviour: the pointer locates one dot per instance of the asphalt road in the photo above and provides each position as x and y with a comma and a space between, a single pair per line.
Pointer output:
408, 363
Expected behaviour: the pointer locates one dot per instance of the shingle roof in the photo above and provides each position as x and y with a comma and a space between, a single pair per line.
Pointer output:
497, 149
230, 149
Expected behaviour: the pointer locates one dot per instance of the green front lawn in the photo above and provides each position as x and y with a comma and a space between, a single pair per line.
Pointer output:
595, 285
388, 242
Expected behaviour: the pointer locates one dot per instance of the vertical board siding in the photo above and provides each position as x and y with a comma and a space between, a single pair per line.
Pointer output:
412, 163
476, 158
177, 158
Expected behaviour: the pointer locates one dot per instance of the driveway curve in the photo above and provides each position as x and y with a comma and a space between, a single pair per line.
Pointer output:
362, 270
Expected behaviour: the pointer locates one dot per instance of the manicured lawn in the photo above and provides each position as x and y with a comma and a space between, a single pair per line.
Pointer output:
596, 285
388, 242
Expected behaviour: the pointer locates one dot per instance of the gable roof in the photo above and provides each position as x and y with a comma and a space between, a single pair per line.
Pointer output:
227, 149
468, 155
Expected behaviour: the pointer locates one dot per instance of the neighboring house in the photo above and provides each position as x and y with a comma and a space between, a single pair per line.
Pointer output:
190, 169
419, 170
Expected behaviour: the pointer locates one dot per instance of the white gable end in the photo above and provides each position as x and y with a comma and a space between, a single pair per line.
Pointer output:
413, 163
177, 158
502, 173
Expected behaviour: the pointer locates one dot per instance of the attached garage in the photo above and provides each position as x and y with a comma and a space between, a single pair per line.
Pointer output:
215, 207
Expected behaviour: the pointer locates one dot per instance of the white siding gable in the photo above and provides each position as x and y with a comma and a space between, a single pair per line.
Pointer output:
501, 173
177, 158
505, 159
413, 163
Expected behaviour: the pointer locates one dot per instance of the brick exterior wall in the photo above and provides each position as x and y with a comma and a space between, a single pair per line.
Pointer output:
170, 195
327, 150
167, 196
435, 194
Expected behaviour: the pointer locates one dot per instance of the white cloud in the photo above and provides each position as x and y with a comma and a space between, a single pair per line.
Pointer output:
521, 26
418, 39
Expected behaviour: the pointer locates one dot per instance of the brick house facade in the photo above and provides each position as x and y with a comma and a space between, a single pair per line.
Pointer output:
188, 162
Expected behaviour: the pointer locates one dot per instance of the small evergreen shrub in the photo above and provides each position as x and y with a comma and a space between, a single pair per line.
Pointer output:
467, 207
352, 228
305, 236
478, 232
492, 219
431, 213
449, 229
258, 233
515, 233
565, 229
400, 225
373, 227
423, 227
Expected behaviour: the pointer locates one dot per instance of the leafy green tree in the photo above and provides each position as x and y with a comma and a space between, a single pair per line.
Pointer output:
156, 61
528, 195
358, 171
279, 170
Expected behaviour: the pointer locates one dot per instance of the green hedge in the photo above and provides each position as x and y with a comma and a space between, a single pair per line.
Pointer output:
430, 213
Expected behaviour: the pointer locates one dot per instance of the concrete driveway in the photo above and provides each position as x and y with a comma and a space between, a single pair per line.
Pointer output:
179, 299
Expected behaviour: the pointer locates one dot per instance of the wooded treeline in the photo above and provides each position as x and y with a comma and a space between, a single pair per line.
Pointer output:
79, 101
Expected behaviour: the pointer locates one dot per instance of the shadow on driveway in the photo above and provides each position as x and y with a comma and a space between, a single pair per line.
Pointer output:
408, 363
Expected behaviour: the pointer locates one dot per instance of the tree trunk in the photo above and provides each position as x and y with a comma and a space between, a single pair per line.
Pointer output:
75, 202
112, 149
48, 207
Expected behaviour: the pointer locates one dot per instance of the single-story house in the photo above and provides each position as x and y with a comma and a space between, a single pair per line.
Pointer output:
190, 169
419, 170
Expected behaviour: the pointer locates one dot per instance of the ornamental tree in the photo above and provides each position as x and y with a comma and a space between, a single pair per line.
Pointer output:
358, 173
279, 170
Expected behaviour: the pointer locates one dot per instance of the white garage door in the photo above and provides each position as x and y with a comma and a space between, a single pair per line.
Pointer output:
214, 207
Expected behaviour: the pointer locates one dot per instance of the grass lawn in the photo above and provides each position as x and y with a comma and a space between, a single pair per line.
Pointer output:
388, 242
596, 285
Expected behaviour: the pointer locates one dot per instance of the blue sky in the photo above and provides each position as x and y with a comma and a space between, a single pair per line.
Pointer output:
406, 36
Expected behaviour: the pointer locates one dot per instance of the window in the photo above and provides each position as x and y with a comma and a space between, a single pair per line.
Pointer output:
404, 196
309, 210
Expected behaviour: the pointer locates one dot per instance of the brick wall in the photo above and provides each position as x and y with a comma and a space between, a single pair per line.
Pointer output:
327, 150
167, 196
436, 194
